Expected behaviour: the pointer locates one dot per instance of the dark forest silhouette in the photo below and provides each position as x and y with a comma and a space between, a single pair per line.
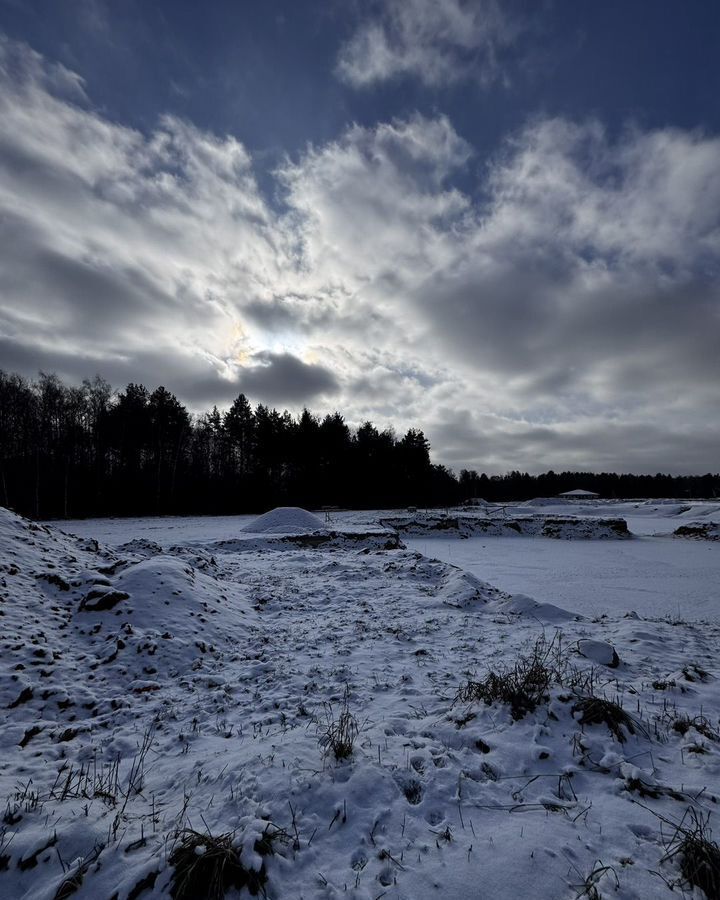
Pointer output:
80, 451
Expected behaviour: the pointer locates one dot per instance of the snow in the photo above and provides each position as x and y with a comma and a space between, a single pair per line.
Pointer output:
548, 613
549, 501
655, 576
285, 520
201, 695
599, 652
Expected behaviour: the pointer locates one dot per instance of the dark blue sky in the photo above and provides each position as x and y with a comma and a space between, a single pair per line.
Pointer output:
497, 220
263, 71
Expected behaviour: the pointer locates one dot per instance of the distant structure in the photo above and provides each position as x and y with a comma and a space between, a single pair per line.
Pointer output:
579, 495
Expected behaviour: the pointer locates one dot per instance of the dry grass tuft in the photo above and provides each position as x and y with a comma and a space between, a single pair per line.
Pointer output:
698, 854
207, 866
524, 686
701, 724
601, 711
338, 733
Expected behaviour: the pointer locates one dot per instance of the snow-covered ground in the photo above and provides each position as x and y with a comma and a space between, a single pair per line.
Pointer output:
187, 673
654, 576
644, 517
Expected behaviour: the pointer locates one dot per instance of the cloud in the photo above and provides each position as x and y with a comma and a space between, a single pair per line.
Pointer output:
23, 65
591, 261
582, 288
391, 178
283, 378
568, 313
118, 246
588, 444
436, 41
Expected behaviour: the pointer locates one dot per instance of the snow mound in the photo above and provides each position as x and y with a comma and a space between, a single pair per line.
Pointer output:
285, 520
522, 605
461, 589
79, 607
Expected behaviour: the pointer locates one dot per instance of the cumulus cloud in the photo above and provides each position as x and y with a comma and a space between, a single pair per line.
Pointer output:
436, 41
566, 315
590, 252
393, 177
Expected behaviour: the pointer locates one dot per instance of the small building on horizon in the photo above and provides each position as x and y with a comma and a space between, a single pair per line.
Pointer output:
579, 494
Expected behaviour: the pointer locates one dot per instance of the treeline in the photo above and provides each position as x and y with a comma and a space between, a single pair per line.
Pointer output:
609, 485
78, 451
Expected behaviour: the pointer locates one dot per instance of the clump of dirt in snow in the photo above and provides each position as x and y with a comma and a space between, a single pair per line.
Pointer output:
285, 520
464, 525
706, 531
141, 547
573, 528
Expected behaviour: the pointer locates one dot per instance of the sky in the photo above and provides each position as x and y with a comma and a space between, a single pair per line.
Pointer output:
495, 220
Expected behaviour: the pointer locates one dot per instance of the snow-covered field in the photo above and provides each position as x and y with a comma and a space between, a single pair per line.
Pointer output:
161, 675
654, 576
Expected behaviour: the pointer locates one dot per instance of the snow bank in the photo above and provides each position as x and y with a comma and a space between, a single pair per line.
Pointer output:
706, 531
347, 539
285, 520
425, 523
550, 501
436, 583
708, 510
573, 528
467, 525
